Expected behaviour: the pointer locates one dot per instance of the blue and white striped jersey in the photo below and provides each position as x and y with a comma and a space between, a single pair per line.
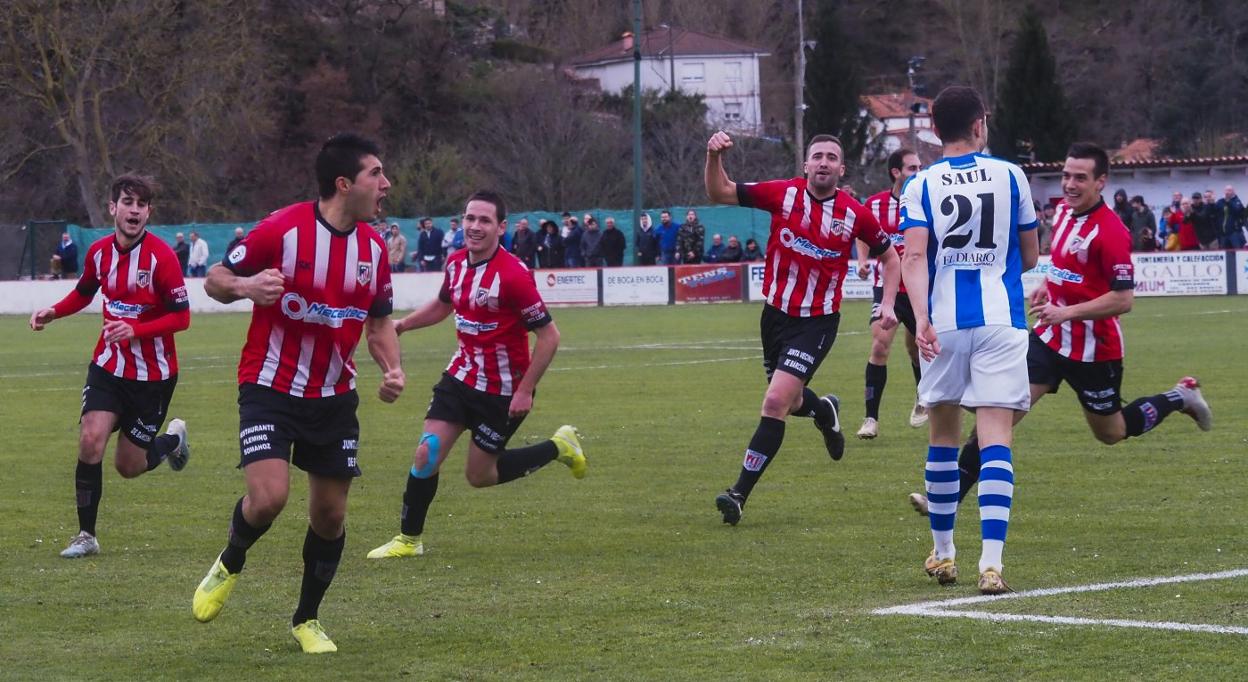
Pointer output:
974, 207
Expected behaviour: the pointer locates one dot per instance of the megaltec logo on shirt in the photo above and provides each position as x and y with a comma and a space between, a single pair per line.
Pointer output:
297, 308
804, 246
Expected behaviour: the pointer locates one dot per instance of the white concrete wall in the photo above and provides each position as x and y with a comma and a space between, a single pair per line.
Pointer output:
714, 86
1156, 185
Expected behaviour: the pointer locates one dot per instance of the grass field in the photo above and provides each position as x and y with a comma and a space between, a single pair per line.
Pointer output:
629, 574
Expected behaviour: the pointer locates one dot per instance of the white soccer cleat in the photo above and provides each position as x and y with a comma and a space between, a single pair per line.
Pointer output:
919, 502
1194, 404
918, 415
178, 458
83, 544
870, 429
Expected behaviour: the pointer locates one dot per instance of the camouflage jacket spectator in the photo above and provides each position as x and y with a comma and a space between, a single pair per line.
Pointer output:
691, 242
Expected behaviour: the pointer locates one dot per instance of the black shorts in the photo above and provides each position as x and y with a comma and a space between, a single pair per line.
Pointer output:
325, 432
485, 414
796, 345
1096, 384
901, 306
140, 406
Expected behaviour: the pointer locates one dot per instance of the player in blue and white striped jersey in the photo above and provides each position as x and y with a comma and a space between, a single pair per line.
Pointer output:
969, 225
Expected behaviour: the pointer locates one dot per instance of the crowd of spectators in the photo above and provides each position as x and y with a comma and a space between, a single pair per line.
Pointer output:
1199, 222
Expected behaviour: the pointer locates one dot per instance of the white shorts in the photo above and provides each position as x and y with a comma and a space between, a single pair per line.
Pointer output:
979, 367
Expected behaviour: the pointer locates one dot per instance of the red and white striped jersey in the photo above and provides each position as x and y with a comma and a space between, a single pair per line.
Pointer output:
496, 305
886, 207
141, 284
810, 245
303, 345
1091, 255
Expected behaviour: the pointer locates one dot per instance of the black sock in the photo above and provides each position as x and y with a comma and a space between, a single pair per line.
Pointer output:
89, 486
918, 373
513, 464
416, 500
1145, 413
763, 448
812, 406
160, 448
320, 563
877, 376
968, 467
242, 536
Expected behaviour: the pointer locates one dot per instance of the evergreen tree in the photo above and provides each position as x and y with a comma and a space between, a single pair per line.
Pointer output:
834, 85
1032, 119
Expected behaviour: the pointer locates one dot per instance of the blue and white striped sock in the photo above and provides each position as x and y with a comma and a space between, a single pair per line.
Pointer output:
996, 492
941, 483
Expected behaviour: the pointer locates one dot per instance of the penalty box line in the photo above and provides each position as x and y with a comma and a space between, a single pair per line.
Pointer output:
949, 608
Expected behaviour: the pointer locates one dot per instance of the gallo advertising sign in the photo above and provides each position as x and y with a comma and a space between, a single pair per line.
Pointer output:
635, 286
1186, 273
853, 287
708, 283
568, 287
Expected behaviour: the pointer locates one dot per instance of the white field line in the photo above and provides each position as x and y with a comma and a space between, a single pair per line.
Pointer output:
945, 608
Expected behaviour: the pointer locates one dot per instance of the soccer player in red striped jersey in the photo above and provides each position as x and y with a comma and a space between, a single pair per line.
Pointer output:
886, 207
1077, 338
134, 368
318, 276
488, 387
813, 228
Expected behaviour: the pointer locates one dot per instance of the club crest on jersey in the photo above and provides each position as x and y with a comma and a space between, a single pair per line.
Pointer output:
482, 296
142, 278
364, 274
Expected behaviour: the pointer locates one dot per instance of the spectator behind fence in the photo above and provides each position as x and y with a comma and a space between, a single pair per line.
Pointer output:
183, 251
1187, 229
752, 252
732, 253
524, 243
1166, 235
1122, 207
396, 248
1204, 220
428, 253
1143, 226
1231, 211
65, 260
612, 244
691, 239
715, 254
199, 256
238, 239
591, 240
668, 233
573, 231
647, 242
454, 239
549, 246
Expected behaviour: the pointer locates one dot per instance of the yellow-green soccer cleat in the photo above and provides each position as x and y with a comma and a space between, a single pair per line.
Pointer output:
212, 592
571, 455
401, 546
991, 582
945, 571
312, 638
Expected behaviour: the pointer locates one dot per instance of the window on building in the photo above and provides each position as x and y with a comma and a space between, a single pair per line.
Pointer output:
693, 72
732, 71
732, 112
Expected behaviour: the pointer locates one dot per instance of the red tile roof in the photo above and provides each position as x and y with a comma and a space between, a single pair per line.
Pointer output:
656, 41
892, 104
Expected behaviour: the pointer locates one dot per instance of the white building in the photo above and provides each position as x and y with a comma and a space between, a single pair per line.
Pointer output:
891, 116
724, 71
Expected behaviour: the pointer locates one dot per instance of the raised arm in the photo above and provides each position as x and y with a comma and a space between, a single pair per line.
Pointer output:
719, 188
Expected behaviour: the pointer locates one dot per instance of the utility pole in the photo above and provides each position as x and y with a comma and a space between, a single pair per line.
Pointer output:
799, 92
636, 116
671, 56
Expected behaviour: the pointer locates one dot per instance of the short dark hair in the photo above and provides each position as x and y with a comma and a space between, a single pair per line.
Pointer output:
491, 197
1100, 160
955, 111
897, 160
340, 158
143, 187
824, 137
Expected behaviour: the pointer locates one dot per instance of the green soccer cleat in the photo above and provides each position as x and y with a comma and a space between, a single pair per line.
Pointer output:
212, 592
401, 546
312, 638
571, 455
